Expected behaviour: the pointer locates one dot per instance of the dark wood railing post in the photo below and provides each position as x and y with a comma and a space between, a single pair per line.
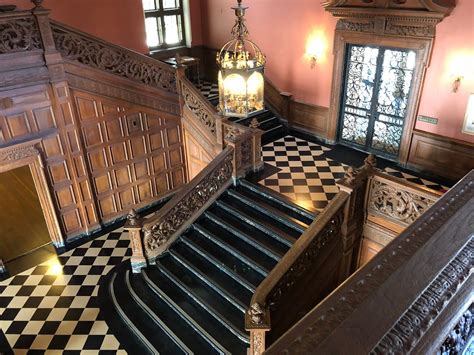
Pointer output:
134, 228
355, 184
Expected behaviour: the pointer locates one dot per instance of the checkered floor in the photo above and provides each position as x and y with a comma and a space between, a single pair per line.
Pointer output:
54, 306
307, 176
208, 89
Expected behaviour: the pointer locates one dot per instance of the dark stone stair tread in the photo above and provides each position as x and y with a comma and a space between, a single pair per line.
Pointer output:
187, 335
277, 246
268, 209
267, 221
268, 197
227, 259
244, 248
214, 300
212, 326
214, 273
142, 321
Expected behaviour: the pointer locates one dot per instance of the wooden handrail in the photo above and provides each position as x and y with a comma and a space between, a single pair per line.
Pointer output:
92, 51
408, 298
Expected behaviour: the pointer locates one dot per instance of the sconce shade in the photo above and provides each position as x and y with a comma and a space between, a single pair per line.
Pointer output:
241, 64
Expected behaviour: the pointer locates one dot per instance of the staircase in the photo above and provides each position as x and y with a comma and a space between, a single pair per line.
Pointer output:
194, 299
267, 122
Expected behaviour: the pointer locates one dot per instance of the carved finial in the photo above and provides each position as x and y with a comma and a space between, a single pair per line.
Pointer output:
350, 175
38, 4
177, 57
254, 123
233, 133
256, 313
370, 161
132, 217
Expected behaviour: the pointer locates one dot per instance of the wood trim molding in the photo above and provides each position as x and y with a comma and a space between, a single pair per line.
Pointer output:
28, 153
444, 156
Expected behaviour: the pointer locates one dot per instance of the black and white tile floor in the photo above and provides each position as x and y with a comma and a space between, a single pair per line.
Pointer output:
209, 90
308, 176
53, 307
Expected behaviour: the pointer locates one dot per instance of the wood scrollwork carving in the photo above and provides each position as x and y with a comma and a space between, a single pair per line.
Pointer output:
198, 108
403, 206
159, 233
19, 35
85, 50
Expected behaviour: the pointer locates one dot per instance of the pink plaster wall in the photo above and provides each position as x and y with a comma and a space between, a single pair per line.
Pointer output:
120, 22
282, 29
196, 22
453, 53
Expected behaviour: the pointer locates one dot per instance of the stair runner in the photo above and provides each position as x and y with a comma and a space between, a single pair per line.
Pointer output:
267, 122
194, 299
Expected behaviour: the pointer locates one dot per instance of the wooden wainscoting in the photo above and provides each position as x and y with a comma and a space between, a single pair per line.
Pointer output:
309, 118
135, 154
444, 156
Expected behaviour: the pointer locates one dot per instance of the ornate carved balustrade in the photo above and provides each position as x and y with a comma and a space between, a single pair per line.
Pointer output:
151, 237
319, 260
77, 46
19, 32
415, 296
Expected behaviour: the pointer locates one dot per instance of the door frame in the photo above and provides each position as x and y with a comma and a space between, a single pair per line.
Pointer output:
423, 48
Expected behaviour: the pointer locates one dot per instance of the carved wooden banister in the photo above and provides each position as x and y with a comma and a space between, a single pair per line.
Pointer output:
19, 32
154, 235
408, 298
86, 49
199, 106
292, 269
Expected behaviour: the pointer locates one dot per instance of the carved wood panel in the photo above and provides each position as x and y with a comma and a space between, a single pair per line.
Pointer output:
197, 157
134, 154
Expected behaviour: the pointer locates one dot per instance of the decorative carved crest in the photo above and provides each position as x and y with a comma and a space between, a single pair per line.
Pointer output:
18, 153
19, 35
132, 218
406, 18
256, 313
86, 50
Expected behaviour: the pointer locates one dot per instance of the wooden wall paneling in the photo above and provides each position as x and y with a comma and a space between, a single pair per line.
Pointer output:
444, 156
309, 118
196, 157
134, 153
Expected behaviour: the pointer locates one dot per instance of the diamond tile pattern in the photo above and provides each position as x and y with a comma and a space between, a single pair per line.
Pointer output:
209, 90
53, 306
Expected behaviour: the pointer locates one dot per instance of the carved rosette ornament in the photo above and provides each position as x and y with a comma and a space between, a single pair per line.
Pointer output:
395, 203
160, 233
114, 60
197, 107
18, 35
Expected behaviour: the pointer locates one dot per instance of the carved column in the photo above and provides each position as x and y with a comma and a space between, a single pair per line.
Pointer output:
257, 322
257, 162
134, 228
355, 183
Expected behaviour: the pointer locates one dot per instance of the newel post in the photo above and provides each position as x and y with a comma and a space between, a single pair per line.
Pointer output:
257, 322
354, 183
134, 228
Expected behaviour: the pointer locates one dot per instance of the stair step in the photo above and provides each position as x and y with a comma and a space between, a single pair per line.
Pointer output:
212, 285
269, 210
229, 272
233, 223
151, 315
142, 324
269, 251
262, 221
183, 317
144, 345
263, 227
220, 240
268, 196
270, 123
224, 257
228, 340
222, 319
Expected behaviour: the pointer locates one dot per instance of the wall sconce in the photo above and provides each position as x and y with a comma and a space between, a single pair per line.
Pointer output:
315, 49
457, 82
